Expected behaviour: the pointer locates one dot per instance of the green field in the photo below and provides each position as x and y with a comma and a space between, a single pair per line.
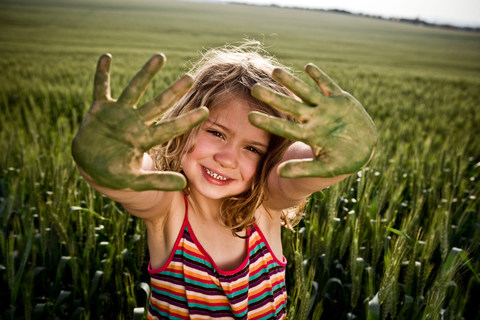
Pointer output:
398, 240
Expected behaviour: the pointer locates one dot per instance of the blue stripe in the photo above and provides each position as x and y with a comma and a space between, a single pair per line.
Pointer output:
193, 258
268, 293
237, 293
256, 248
277, 313
171, 296
172, 274
207, 307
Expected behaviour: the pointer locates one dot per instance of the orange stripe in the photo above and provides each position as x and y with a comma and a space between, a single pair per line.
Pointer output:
258, 292
260, 264
280, 301
209, 301
171, 311
261, 288
265, 311
230, 289
255, 240
168, 287
192, 248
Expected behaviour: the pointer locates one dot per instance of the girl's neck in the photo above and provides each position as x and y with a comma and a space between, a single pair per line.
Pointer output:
206, 212
208, 208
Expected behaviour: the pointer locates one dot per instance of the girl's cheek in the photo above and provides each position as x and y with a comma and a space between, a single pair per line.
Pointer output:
253, 163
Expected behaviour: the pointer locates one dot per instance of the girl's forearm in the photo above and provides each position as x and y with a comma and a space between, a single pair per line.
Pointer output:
287, 192
138, 203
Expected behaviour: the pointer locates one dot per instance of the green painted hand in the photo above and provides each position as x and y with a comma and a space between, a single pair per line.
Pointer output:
335, 125
114, 134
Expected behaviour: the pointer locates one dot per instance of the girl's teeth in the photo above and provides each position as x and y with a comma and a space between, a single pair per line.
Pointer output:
215, 175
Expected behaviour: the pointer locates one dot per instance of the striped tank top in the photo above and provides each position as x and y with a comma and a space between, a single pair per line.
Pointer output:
191, 286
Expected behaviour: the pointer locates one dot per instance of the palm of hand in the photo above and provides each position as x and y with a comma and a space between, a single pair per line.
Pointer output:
114, 135
330, 120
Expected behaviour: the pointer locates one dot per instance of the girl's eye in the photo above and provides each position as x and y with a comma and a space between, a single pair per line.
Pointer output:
215, 133
252, 149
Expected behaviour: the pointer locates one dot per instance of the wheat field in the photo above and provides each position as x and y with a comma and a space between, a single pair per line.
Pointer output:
398, 240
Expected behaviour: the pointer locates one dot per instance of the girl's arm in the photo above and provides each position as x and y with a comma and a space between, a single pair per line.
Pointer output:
337, 136
110, 144
147, 205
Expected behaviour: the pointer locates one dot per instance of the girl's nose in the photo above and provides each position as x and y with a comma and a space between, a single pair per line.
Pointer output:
227, 156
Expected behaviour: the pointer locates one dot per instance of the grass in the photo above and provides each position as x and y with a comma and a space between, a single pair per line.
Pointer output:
400, 239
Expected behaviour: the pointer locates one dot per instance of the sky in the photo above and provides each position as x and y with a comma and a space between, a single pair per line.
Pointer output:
465, 13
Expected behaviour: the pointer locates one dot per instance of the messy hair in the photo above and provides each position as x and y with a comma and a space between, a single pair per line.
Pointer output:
220, 74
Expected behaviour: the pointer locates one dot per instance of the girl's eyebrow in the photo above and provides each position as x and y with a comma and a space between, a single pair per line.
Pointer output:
254, 143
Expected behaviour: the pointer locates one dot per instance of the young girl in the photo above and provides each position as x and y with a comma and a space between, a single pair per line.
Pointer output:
242, 141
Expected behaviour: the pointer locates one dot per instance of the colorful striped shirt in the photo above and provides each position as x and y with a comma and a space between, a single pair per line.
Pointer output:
190, 286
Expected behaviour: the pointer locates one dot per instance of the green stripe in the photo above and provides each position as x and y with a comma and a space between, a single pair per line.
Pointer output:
173, 296
172, 274
256, 248
268, 293
193, 258
238, 293
200, 284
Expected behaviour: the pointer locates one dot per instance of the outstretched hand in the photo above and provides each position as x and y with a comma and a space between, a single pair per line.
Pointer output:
114, 134
335, 125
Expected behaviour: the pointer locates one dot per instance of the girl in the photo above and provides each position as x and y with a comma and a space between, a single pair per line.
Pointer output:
240, 143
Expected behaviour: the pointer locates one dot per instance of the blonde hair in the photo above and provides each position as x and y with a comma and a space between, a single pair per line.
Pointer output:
221, 73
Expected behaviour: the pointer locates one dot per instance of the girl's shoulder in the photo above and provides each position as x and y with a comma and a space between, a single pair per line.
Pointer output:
163, 229
269, 223
267, 219
167, 205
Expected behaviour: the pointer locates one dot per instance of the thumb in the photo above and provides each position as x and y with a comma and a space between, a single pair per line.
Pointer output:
163, 181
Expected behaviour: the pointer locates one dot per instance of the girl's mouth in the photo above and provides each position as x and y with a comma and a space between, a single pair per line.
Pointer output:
214, 175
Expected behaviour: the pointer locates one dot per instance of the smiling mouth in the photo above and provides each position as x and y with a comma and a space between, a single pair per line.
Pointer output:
214, 175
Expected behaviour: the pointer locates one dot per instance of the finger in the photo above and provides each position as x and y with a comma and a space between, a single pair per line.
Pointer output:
164, 181
280, 127
282, 102
101, 84
153, 109
307, 169
308, 94
326, 84
166, 130
137, 86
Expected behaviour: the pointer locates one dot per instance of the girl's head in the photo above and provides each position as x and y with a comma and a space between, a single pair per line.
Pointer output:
220, 76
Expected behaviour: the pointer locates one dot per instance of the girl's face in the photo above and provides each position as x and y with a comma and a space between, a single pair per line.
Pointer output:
227, 152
